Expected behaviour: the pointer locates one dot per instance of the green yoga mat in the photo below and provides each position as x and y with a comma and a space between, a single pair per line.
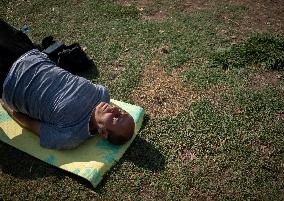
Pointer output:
91, 160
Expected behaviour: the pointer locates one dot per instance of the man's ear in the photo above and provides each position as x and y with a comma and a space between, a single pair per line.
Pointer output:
103, 132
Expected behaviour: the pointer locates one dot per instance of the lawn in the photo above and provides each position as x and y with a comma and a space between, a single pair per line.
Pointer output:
209, 74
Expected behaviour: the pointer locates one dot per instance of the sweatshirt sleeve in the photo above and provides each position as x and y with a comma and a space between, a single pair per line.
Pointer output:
55, 137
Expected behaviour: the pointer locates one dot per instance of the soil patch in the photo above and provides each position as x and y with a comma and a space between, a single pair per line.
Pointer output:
260, 80
191, 5
262, 16
162, 95
148, 9
215, 93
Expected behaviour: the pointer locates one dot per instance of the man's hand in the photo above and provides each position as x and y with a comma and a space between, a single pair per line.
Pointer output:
29, 123
8, 109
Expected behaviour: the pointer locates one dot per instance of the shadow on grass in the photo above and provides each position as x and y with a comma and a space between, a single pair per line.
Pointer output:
21, 165
145, 122
145, 155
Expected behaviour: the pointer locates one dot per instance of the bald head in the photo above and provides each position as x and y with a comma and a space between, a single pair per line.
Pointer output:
123, 133
114, 124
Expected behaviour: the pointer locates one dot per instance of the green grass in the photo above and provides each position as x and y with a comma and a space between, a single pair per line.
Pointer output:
264, 49
227, 145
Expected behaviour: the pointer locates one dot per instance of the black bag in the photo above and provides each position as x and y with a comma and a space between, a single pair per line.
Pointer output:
71, 58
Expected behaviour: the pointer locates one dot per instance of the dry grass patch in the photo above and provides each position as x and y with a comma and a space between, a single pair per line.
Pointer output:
265, 79
261, 16
215, 93
162, 95
151, 10
138, 4
147, 192
148, 9
186, 156
265, 151
259, 79
196, 5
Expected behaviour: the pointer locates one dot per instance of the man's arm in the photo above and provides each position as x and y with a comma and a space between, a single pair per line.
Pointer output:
29, 123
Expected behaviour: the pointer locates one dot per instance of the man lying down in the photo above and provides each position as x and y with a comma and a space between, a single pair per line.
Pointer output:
62, 108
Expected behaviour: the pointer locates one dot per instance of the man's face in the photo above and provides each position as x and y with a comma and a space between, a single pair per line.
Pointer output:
112, 118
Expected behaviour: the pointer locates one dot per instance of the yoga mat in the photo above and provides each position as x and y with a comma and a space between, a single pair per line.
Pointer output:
91, 160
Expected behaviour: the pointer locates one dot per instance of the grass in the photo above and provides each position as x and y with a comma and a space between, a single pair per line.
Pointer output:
265, 49
226, 145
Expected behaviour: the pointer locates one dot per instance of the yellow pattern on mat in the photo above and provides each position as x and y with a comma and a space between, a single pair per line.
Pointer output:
91, 160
